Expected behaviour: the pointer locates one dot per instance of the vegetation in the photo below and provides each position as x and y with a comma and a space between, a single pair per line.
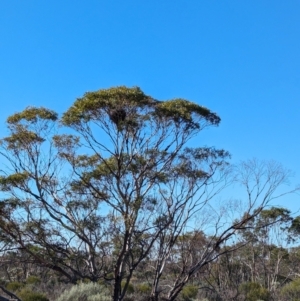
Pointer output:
254, 291
108, 193
291, 291
189, 292
28, 295
86, 291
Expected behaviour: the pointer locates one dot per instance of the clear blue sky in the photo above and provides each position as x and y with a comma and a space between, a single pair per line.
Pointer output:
239, 58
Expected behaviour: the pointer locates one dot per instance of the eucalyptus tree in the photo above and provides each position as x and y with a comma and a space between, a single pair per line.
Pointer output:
114, 183
88, 194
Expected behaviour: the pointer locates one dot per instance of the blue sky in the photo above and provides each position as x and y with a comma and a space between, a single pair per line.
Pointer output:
239, 58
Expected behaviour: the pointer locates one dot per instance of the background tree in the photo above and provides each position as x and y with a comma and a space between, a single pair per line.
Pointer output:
262, 258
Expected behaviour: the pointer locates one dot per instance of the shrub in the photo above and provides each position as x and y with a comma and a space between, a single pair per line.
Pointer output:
86, 292
84, 280
254, 291
130, 288
291, 291
143, 288
14, 286
33, 280
27, 295
189, 292
99, 297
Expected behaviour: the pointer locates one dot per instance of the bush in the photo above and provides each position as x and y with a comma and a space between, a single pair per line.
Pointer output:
143, 288
85, 292
189, 292
27, 295
99, 297
130, 288
291, 291
33, 280
14, 286
254, 291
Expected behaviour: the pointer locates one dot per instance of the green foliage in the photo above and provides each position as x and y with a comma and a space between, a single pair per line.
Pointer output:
22, 139
14, 286
15, 180
130, 288
189, 292
143, 288
99, 297
254, 291
84, 280
127, 102
33, 280
27, 295
32, 114
295, 226
85, 292
275, 213
181, 110
96, 105
65, 142
291, 291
